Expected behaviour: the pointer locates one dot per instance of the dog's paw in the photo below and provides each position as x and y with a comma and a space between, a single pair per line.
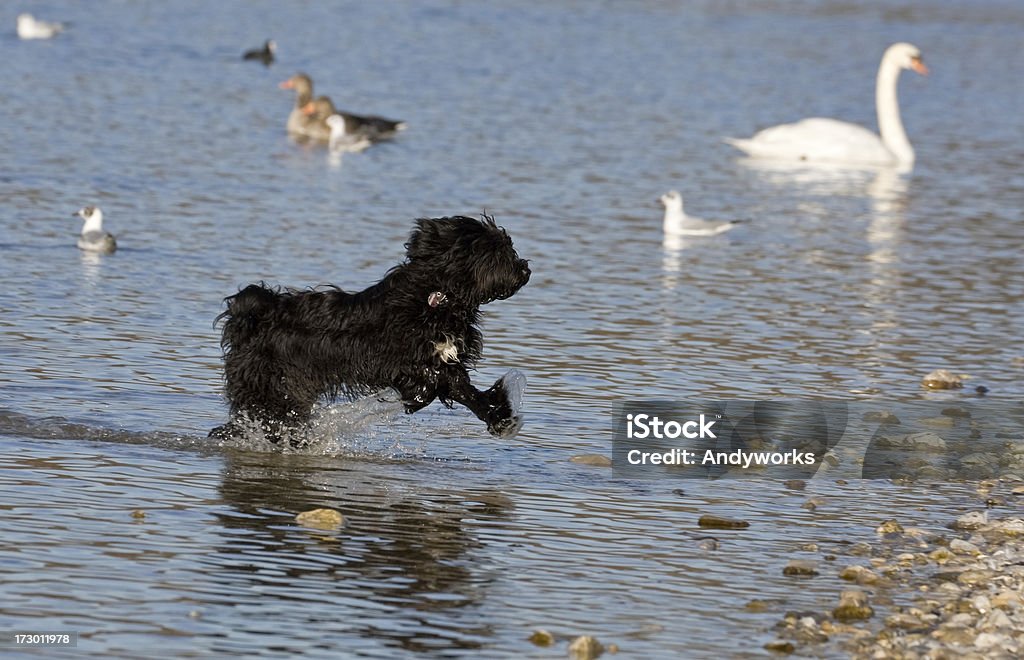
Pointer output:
506, 428
506, 402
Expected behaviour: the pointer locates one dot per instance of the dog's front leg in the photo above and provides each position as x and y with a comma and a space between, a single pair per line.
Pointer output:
493, 406
417, 393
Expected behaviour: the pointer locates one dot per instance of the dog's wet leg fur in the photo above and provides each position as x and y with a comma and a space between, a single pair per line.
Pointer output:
491, 406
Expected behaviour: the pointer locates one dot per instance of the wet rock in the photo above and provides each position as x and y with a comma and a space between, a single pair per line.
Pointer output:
976, 577
956, 411
780, 646
860, 549
717, 522
757, 605
853, 606
541, 637
882, 417
954, 634
962, 547
813, 503
1018, 490
890, 527
981, 603
809, 547
941, 555
858, 574
1007, 529
612, 648
795, 484
585, 647
986, 641
138, 514
943, 379
905, 621
324, 519
937, 422
807, 631
972, 520
1006, 600
800, 567
996, 620
921, 441
595, 460
708, 543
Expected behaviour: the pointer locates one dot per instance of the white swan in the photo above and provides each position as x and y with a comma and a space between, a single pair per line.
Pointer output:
677, 223
830, 140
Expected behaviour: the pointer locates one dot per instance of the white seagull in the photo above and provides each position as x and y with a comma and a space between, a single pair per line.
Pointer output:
341, 139
833, 141
93, 238
677, 223
30, 27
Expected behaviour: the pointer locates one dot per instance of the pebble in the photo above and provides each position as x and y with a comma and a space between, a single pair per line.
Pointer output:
972, 520
800, 567
943, 379
962, 547
853, 606
813, 503
890, 527
967, 595
542, 637
717, 522
921, 441
585, 647
324, 519
795, 484
859, 574
708, 543
882, 417
596, 460
780, 646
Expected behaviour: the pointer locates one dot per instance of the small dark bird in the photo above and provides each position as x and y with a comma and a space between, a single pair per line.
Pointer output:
265, 54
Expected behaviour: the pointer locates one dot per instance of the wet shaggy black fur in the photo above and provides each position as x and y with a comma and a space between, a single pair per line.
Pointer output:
415, 331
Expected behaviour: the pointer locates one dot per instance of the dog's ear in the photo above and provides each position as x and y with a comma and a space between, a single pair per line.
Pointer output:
434, 236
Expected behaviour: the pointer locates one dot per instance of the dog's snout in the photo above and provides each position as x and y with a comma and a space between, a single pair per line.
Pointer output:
524, 269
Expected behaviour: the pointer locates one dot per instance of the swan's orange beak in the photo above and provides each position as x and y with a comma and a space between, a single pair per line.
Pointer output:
309, 108
287, 84
917, 65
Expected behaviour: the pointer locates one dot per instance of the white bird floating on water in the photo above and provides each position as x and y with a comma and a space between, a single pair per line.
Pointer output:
677, 223
29, 27
342, 140
833, 141
93, 238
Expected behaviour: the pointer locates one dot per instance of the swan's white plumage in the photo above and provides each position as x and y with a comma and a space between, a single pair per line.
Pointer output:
830, 140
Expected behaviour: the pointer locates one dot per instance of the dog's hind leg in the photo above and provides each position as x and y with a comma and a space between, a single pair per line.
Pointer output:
497, 406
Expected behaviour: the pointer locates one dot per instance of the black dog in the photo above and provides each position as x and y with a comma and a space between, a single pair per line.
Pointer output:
414, 331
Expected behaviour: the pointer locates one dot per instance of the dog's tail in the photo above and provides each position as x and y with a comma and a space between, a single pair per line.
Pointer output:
244, 312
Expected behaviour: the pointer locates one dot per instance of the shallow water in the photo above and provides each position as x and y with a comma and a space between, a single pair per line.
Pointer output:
566, 120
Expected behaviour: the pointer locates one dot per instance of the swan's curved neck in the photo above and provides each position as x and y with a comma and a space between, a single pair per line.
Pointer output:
890, 126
